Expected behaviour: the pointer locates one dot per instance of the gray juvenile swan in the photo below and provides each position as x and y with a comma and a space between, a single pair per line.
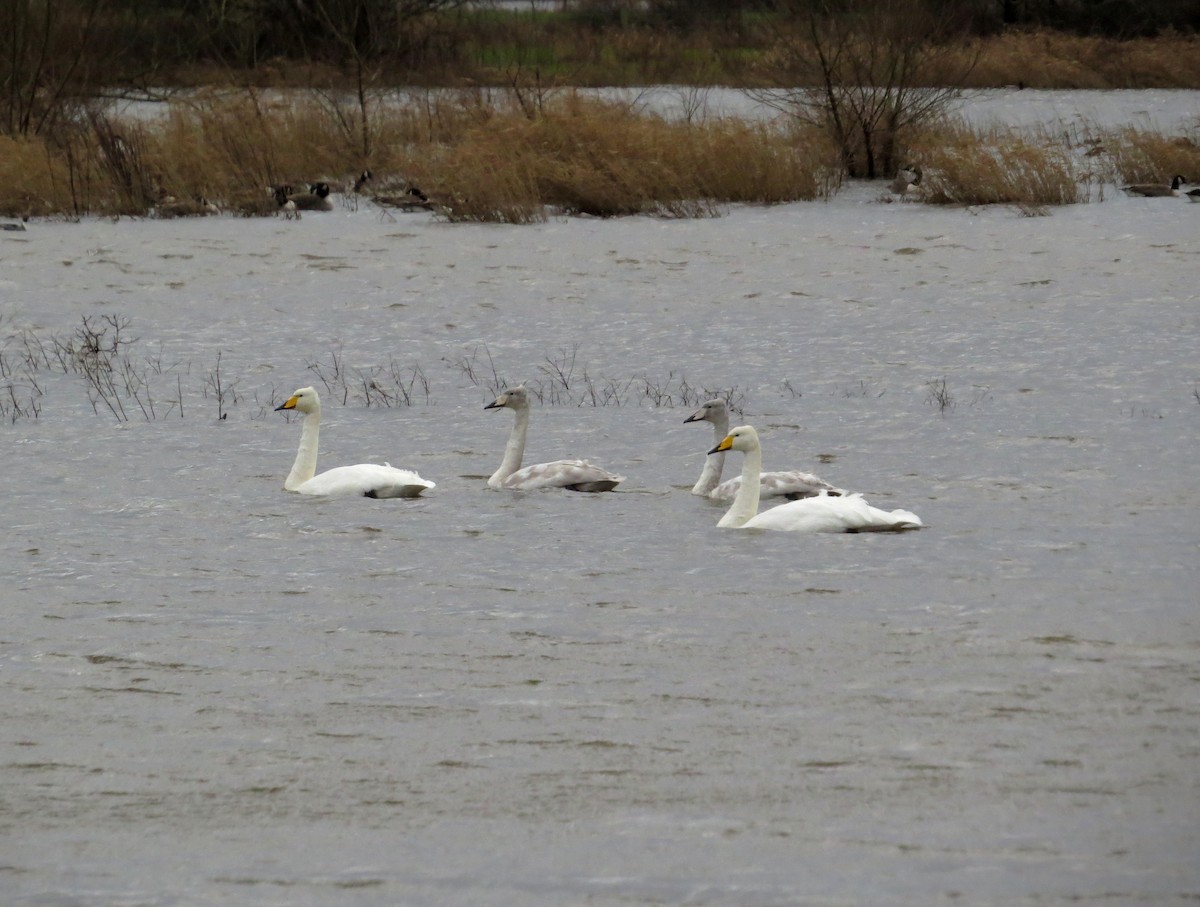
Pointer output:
825, 513
575, 475
792, 484
1154, 190
367, 479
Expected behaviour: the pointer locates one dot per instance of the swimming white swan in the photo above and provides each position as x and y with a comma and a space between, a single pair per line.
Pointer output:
576, 475
368, 479
825, 513
792, 485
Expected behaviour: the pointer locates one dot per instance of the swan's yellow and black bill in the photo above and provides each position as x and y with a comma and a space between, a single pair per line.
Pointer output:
289, 403
726, 444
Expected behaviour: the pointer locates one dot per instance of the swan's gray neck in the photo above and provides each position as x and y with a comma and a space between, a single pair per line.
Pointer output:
714, 464
514, 450
745, 505
305, 466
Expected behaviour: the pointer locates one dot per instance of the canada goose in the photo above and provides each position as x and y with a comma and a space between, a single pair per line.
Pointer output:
1193, 195
317, 199
363, 178
17, 227
1155, 190
412, 200
907, 179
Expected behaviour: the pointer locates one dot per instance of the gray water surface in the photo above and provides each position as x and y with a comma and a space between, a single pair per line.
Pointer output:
216, 693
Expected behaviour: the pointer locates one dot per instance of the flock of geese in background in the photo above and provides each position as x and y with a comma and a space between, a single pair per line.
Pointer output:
813, 505
907, 184
402, 195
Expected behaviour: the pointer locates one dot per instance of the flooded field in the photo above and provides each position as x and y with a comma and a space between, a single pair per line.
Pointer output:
219, 693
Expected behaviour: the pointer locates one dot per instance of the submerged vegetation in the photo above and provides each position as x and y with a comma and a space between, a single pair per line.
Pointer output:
129, 382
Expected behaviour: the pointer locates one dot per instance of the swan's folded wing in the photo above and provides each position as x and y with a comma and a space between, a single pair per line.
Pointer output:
848, 513
577, 475
787, 484
369, 479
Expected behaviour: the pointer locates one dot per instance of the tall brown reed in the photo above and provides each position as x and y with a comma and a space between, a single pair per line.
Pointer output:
964, 166
582, 156
1151, 156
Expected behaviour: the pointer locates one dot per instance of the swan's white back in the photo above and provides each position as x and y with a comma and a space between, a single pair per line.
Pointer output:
368, 479
846, 513
576, 475
824, 513
791, 484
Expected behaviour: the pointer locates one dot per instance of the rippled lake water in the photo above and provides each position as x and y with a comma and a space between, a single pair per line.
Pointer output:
218, 693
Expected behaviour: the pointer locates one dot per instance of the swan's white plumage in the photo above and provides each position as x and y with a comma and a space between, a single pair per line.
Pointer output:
824, 513
367, 479
792, 484
576, 475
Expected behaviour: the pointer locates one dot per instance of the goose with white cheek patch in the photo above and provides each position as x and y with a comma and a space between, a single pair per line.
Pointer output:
574, 475
824, 513
367, 479
1154, 190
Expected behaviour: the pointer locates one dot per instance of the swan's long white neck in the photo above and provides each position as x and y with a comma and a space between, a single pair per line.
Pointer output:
305, 466
710, 476
745, 505
514, 450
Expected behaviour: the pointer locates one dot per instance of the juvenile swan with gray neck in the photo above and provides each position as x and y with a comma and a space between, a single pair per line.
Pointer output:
574, 475
790, 484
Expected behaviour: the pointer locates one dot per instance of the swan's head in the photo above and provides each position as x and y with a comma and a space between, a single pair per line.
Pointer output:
712, 411
743, 438
304, 400
512, 398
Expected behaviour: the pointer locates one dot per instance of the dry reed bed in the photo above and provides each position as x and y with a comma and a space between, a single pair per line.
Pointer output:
515, 159
1046, 59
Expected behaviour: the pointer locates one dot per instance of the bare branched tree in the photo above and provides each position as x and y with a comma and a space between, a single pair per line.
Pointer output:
44, 52
867, 71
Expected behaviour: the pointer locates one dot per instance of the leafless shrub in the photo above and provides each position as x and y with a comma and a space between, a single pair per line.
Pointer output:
222, 390
939, 395
480, 374
861, 71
